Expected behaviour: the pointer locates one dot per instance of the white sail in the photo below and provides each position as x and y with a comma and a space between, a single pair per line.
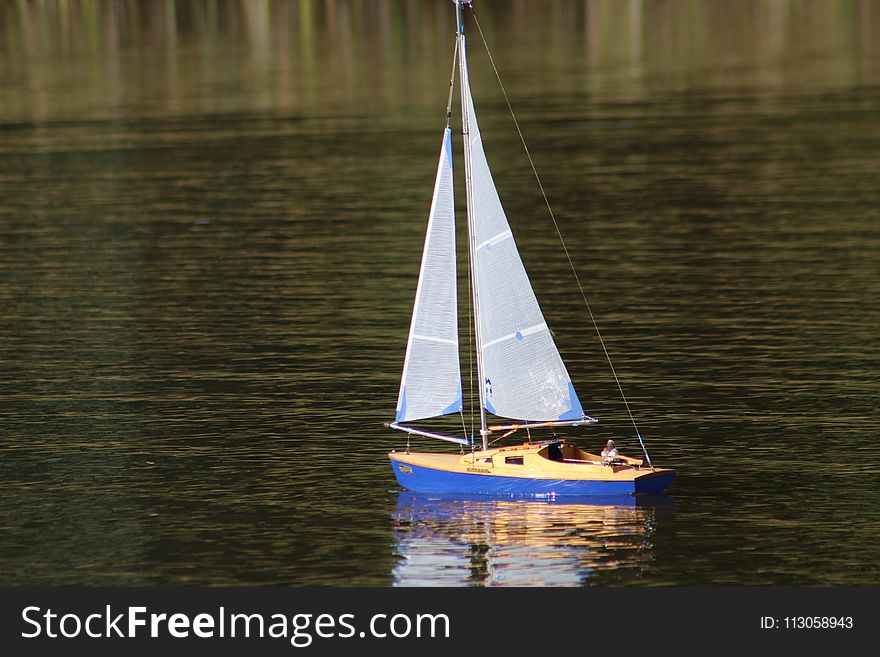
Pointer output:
431, 380
523, 374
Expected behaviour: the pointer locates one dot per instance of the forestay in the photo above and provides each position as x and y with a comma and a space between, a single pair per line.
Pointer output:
431, 380
523, 374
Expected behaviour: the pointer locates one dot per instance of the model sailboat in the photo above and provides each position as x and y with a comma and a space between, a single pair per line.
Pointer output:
520, 371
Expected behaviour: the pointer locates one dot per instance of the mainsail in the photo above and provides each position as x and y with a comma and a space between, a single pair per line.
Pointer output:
431, 380
523, 374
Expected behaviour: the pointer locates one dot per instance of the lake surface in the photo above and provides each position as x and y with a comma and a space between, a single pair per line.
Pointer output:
211, 219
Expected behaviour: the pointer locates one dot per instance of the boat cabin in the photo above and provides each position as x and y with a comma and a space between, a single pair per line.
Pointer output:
536, 456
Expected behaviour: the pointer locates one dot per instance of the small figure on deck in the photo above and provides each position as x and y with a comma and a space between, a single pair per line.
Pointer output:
609, 453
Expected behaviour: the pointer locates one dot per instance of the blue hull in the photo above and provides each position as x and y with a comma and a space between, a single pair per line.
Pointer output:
429, 480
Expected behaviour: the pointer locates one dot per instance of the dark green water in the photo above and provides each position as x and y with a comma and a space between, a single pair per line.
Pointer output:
211, 218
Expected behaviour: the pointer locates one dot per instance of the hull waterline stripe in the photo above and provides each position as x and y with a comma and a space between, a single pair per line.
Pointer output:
430, 480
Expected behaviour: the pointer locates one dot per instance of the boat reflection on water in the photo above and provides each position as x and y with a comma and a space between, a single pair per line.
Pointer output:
483, 541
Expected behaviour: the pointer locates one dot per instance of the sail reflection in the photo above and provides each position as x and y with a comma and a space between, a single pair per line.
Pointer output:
479, 541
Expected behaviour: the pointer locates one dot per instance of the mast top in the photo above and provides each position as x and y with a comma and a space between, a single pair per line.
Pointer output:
458, 5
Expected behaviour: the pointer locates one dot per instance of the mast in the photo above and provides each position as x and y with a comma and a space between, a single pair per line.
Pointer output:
469, 193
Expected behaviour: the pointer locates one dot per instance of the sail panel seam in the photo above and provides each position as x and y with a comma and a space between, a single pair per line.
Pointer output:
492, 241
429, 338
518, 334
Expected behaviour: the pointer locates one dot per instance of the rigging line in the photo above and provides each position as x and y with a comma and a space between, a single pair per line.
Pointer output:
499, 438
561, 240
470, 328
451, 84
470, 349
448, 120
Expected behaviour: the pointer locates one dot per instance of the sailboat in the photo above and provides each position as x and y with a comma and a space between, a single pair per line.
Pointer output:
520, 374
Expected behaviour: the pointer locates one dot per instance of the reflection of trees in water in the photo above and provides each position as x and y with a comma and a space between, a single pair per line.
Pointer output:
189, 56
491, 542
